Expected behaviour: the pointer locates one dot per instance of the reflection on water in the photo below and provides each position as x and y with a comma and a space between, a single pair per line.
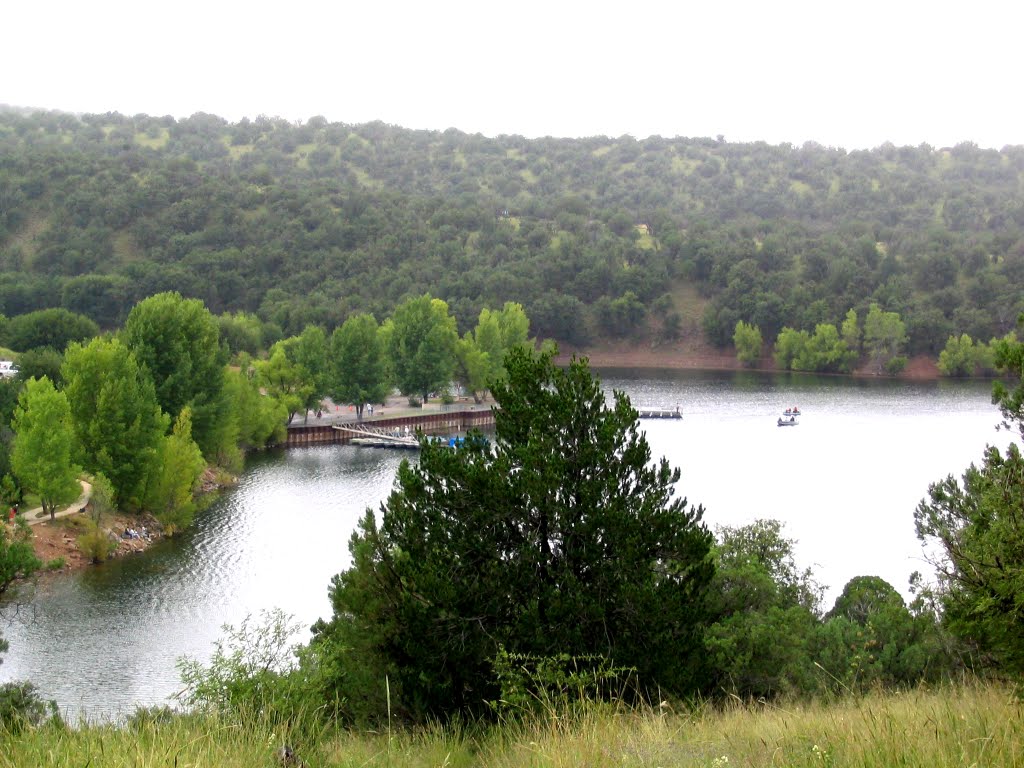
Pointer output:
845, 481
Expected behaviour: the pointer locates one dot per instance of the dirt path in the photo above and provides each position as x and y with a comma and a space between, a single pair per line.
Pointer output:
37, 516
57, 540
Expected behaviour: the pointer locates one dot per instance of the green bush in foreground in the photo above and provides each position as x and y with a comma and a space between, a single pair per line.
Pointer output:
254, 672
21, 707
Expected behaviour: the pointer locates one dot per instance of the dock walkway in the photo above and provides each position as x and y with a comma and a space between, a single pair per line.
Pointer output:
339, 425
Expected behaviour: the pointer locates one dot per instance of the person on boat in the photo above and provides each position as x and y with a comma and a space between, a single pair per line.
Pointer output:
792, 418
780, 421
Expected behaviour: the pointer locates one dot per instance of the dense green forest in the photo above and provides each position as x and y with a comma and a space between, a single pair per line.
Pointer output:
597, 238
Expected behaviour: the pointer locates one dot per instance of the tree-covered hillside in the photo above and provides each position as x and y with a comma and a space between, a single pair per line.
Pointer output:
596, 237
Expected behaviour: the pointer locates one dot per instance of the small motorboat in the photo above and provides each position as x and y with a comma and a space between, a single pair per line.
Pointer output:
790, 422
794, 411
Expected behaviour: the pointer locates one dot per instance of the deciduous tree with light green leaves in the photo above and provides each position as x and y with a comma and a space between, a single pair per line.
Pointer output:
171, 493
308, 350
44, 445
116, 417
823, 350
514, 326
472, 366
480, 354
789, 345
285, 381
357, 370
885, 335
963, 357
748, 342
259, 420
420, 339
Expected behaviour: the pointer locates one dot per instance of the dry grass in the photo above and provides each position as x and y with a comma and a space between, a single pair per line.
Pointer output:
967, 725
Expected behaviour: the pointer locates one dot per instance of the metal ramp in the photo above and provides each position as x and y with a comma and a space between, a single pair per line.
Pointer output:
379, 437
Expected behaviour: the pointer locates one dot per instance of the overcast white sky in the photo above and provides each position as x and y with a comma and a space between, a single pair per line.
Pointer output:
842, 73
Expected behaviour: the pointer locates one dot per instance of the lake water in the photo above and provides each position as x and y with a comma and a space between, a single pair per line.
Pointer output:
845, 481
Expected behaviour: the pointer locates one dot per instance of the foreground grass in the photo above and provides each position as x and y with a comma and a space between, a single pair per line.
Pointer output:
969, 725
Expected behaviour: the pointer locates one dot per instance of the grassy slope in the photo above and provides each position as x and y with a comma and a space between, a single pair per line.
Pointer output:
965, 725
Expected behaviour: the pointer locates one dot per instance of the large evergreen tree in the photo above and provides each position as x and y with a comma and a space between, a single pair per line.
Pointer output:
561, 537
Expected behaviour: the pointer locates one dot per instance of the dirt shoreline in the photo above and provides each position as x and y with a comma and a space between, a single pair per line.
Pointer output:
58, 539
700, 357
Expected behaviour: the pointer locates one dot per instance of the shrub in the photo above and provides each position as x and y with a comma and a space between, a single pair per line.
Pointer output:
95, 543
560, 684
21, 707
896, 365
254, 673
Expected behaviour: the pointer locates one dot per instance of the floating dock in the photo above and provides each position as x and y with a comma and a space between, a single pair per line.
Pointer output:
660, 413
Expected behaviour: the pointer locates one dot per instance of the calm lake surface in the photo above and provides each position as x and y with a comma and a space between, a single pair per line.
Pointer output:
845, 482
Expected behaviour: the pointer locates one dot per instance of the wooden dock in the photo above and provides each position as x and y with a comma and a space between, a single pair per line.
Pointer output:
347, 430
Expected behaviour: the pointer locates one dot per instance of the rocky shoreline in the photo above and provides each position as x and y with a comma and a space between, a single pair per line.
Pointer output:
57, 540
